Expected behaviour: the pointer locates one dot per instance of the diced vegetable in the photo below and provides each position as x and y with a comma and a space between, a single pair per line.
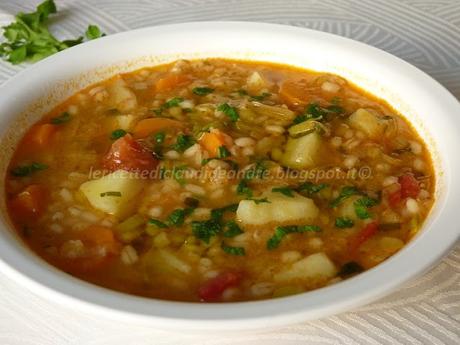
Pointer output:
131, 228
303, 152
171, 82
30, 203
212, 141
152, 125
315, 266
347, 208
125, 121
100, 236
163, 261
367, 232
409, 186
212, 289
255, 82
40, 136
281, 115
366, 122
123, 183
121, 96
129, 155
280, 208
303, 128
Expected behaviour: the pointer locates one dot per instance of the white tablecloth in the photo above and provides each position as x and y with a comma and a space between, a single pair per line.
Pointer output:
424, 33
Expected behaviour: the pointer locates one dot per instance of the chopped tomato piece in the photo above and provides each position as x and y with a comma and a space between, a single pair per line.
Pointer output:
148, 126
127, 154
30, 202
409, 186
367, 232
212, 290
171, 81
394, 198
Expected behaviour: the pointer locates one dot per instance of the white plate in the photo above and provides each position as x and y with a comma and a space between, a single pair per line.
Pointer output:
433, 111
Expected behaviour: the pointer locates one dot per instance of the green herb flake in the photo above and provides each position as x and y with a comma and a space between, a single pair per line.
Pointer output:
117, 134
218, 213
26, 170
310, 188
345, 193
362, 205
281, 231
157, 223
223, 152
233, 229
261, 97
183, 142
117, 194
260, 201
230, 111
204, 230
61, 119
343, 222
178, 173
173, 102
177, 217
93, 32
243, 189
202, 91
284, 190
237, 251
159, 137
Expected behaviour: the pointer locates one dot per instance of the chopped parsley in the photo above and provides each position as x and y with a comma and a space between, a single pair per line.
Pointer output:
223, 152
157, 223
284, 190
117, 134
362, 205
218, 213
230, 111
93, 32
117, 194
238, 251
183, 142
178, 174
261, 97
343, 222
345, 193
260, 201
26, 170
159, 137
310, 188
202, 91
233, 229
177, 217
315, 112
173, 102
243, 189
61, 119
281, 231
204, 230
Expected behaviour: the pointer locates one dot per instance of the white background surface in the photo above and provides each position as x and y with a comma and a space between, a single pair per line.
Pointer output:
424, 33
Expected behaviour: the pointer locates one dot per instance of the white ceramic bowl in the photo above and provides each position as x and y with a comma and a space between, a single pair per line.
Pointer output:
432, 110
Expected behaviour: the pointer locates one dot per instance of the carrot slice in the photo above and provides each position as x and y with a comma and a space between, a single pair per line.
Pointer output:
294, 92
100, 236
30, 202
40, 135
148, 126
171, 82
212, 141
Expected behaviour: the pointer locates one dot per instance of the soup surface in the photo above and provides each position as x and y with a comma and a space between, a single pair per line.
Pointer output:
218, 180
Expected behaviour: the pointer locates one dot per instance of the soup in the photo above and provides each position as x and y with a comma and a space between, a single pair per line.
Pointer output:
218, 180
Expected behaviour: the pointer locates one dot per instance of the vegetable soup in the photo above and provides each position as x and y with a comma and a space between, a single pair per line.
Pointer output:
218, 180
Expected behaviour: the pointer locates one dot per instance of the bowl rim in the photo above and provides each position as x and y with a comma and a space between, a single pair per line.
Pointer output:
51, 283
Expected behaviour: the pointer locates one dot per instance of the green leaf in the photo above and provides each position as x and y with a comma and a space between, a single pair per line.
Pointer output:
233, 229
202, 91
46, 8
218, 213
362, 205
284, 190
93, 32
26, 170
281, 231
345, 193
117, 134
310, 188
61, 119
260, 201
204, 230
223, 152
237, 251
173, 102
261, 97
230, 111
183, 142
159, 137
157, 223
18, 55
177, 217
243, 189
343, 222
